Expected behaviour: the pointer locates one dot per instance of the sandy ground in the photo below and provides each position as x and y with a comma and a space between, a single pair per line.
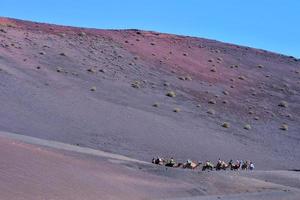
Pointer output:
33, 172
32, 168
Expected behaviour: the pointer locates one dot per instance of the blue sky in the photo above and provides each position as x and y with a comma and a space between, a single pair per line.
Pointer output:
268, 24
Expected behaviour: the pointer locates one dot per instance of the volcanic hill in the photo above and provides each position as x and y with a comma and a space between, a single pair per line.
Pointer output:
142, 94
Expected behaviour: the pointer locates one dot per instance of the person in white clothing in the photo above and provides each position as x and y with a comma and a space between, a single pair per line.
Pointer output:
251, 167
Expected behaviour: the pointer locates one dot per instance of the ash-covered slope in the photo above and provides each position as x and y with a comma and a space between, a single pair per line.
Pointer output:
142, 94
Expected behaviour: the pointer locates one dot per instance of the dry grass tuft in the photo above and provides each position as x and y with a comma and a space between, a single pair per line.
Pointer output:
284, 127
283, 104
166, 84
156, 105
226, 125
213, 69
136, 84
242, 77
212, 101
93, 89
92, 70
225, 92
260, 66
59, 69
81, 34
247, 126
211, 111
171, 94
225, 102
176, 110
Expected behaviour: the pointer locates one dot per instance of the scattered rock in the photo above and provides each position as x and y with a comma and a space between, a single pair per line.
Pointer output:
102, 70
62, 54
42, 53
185, 54
210, 60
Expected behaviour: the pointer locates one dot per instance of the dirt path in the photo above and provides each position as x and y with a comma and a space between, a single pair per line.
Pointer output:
272, 195
67, 147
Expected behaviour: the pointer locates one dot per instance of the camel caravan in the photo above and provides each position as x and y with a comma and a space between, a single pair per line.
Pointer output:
208, 165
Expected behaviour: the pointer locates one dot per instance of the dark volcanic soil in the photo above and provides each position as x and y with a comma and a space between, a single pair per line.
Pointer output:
106, 89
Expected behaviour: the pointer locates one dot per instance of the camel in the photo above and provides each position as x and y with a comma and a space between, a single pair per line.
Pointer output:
208, 165
191, 165
158, 161
235, 166
245, 165
187, 165
222, 166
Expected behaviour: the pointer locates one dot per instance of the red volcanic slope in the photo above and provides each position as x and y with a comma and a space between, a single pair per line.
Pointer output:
97, 88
